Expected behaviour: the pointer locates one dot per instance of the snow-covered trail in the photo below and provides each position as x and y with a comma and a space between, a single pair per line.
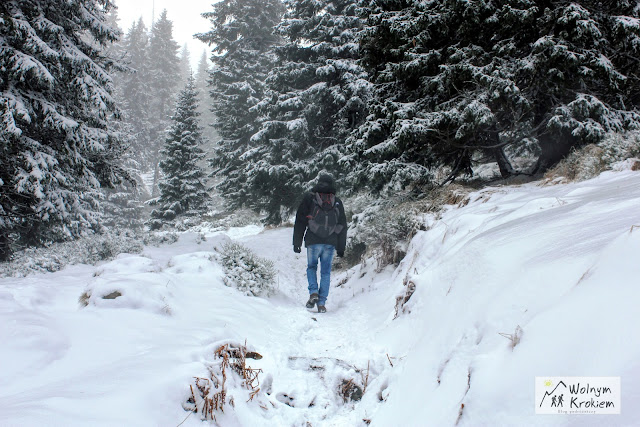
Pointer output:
130, 361
318, 351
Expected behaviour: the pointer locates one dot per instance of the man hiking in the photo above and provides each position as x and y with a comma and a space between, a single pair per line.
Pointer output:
322, 222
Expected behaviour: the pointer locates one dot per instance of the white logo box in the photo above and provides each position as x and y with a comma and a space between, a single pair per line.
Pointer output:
578, 395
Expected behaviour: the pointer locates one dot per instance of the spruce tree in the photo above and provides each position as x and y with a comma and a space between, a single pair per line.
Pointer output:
207, 118
242, 39
580, 74
182, 187
56, 109
316, 97
185, 65
122, 205
457, 80
134, 88
164, 69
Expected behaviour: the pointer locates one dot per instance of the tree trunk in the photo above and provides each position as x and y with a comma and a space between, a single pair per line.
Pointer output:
506, 170
156, 177
5, 246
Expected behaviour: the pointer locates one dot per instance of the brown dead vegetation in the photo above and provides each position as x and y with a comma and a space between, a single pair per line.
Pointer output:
210, 394
401, 300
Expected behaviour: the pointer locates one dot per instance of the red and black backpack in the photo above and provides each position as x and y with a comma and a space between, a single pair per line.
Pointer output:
324, 216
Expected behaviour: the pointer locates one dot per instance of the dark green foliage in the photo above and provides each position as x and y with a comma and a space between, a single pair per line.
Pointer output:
457, 79
182, 187
242, 39
56, 105
316, 95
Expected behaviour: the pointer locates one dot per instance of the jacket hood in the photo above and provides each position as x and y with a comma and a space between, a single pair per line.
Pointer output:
325, 184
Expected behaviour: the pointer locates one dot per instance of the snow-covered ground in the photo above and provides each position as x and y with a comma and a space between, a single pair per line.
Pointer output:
559, 262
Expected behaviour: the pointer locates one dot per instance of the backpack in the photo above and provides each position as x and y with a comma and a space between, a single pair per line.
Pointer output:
323, 220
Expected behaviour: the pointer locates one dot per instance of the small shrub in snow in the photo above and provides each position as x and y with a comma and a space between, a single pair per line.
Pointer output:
84, 299
353, 255
385, 232
247, 272
350, 391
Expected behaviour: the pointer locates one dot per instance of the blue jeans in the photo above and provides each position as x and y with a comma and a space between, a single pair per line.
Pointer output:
324, 253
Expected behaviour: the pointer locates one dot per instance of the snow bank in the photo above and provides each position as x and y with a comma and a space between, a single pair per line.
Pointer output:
558, 262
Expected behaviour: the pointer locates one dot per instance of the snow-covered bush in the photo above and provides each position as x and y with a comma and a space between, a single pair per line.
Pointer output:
238, 218
87, 250
246, 271
593, 159
159, 238
387, 232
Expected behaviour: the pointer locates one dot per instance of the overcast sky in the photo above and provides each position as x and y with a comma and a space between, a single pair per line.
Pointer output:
185, 15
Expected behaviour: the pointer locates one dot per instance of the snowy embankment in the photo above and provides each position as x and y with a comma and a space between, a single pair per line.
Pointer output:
560, 263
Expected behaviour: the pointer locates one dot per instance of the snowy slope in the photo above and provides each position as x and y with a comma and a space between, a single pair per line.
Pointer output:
560, 262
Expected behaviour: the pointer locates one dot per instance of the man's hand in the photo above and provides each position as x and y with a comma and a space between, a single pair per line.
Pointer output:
340, 254
297, 249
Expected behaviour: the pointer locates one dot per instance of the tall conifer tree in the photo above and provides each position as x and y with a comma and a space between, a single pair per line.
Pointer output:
134, 88
56, 107
182, 187
164, 68
242, 39
316, 97
207, 118
185, 65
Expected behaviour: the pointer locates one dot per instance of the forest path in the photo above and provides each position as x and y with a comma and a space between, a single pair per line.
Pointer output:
317, 354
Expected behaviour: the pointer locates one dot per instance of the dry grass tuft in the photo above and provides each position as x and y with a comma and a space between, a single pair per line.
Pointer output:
210, 394
84, 299
514, 337
593, 159
579, 165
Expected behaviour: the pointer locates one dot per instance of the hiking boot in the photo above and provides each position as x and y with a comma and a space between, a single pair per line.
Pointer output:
313, 299
322, 309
